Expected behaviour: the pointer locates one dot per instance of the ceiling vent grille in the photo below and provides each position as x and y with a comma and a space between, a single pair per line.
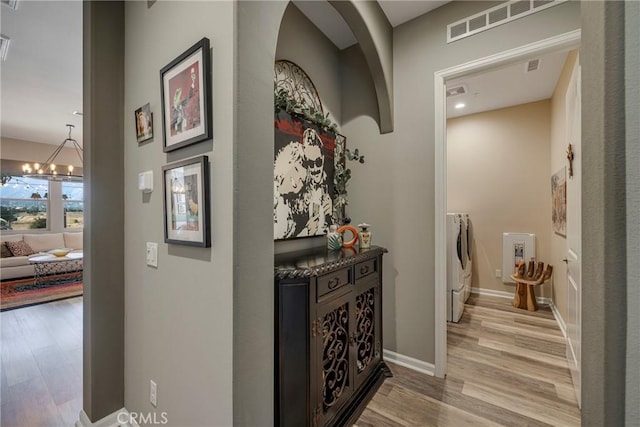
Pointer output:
456, 90
497, 15
532, 65
4, 46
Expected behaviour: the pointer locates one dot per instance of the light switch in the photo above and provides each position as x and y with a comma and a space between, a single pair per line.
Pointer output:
145, 181
152, 254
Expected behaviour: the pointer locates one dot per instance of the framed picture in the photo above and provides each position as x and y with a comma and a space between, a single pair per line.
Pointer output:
303, 175
185, 186
144, 123
186, 97
559, 202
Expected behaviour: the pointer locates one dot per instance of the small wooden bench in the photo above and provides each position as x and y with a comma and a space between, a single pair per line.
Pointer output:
526, 279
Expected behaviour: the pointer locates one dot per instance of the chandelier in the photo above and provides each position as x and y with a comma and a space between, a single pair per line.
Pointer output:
49, 170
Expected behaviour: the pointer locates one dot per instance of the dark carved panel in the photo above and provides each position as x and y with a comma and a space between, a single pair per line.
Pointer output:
335, 355
365, 329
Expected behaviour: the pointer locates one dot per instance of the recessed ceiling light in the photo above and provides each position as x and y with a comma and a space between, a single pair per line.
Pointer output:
77, 113
460, 105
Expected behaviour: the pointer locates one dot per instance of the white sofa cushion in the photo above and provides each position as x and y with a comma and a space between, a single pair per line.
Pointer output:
14, 261
10, 238
44, 242
73, 240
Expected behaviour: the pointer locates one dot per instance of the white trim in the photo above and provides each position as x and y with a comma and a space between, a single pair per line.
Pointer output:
409, 362
564, 41
561, 323
440, 96
110, 420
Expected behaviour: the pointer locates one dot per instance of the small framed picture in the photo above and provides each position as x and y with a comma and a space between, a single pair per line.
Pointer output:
144, 123
186, 97
185, 186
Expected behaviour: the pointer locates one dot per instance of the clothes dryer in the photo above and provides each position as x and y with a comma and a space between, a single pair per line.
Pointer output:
456, 263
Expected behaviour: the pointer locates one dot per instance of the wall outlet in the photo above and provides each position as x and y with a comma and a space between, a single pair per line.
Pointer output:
498, 273
153, 393
152, 254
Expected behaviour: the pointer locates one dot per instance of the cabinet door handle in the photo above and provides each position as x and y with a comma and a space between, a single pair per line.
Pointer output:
364, 270
352, 339
333, 283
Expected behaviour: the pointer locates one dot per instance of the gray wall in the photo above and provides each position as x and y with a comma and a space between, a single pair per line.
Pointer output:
604, 246
400, 202
178, 317
104, 219
632, 83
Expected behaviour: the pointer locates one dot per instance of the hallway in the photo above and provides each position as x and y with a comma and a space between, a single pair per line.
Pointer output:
505, 367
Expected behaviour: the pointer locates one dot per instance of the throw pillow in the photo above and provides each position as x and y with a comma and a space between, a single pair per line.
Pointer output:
5, 252
20, 248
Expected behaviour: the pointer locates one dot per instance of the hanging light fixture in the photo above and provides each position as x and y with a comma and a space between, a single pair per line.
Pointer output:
49, 169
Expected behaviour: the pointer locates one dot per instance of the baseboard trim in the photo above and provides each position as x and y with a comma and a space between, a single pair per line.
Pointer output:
505, 294
561, 323
409, 362
112, 420
540, 300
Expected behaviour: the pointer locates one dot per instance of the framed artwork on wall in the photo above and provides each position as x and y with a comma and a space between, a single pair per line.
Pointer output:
185, 187
186, 97
144, 123
559, 202
303, 174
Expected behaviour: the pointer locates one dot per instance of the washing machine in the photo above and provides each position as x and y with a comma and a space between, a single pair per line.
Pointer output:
468, 269
456, 262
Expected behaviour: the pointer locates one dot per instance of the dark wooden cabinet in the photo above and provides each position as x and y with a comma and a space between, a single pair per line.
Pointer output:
328, 335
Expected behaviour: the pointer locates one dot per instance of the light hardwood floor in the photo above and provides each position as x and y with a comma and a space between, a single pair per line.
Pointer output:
505, 367
41, 375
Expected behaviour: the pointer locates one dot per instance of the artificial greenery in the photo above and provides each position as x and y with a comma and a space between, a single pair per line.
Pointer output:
342, 174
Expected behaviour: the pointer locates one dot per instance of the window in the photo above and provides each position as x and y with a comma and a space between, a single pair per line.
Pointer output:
72, 196
23, 203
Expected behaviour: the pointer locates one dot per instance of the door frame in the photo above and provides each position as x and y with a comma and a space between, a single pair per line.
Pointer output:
567, 41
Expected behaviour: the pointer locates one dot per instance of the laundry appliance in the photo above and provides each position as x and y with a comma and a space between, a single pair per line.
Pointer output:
457, 256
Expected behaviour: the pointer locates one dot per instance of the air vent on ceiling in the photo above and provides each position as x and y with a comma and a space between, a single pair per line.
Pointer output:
13, 4
456, 90
501, 14
532, 65
4, 46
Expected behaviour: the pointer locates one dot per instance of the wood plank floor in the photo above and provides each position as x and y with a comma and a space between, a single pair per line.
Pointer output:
505, 367
41, 364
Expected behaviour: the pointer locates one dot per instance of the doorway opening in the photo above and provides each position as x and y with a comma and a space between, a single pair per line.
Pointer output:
452, 79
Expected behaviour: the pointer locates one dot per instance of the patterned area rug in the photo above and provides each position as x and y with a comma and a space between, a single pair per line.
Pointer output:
24, 292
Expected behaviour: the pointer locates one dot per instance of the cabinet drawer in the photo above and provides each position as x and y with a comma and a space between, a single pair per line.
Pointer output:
332, 281
366, 268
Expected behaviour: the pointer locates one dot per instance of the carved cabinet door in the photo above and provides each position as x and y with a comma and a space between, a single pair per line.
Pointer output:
334, 357
367, 336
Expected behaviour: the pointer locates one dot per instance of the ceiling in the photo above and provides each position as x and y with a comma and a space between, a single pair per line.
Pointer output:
507, 86
41, 80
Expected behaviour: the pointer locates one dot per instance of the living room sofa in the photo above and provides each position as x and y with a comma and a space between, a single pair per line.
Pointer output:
13, 267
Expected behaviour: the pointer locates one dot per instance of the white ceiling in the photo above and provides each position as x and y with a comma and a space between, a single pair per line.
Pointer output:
507, 86
41, 80
329, 21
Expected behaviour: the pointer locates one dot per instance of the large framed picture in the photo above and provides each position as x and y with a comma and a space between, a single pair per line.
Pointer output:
186, 97
185, 186
303, 174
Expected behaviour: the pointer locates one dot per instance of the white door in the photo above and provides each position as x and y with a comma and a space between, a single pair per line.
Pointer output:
574, 230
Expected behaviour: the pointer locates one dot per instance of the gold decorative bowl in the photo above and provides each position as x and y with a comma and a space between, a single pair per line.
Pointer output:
60, 252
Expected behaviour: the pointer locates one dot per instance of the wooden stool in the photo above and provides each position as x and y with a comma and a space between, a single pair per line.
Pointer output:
525, 297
